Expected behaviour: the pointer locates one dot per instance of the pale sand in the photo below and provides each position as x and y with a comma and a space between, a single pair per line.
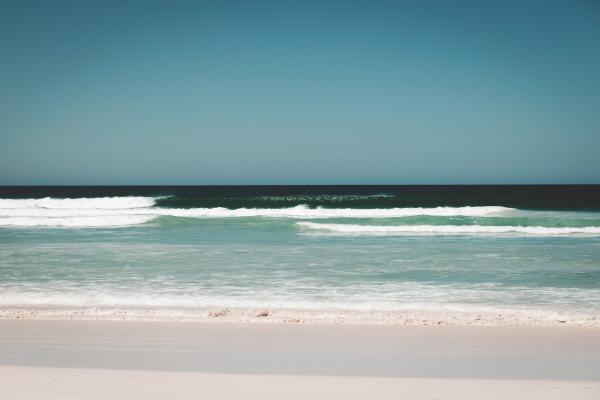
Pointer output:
56, 383
103, 359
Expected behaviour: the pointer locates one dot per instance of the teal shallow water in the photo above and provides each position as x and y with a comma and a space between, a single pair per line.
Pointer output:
209, 258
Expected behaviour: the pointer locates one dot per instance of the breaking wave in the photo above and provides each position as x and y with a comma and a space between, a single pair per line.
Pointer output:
127, 211
106, 221
382, 230
95, 203
310, 213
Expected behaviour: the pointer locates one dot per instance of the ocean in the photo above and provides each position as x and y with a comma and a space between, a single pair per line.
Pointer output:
527, 255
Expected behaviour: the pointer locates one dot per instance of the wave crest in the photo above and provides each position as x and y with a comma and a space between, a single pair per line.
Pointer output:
126, 211
92, 203
304, 212
383, 230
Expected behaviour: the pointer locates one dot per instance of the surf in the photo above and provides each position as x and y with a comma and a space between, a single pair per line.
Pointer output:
384, 230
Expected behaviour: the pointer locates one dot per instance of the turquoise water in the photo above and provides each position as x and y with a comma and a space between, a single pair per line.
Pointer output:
130, 253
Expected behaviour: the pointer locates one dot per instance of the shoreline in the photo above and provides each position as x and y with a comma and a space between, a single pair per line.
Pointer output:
525, 318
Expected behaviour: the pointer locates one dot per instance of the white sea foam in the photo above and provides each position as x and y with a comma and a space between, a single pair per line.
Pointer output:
384, 230
78, 222
129, 211
145, 306
304, 212
76, 212
384, 297
299, 212
95, 203
126, 211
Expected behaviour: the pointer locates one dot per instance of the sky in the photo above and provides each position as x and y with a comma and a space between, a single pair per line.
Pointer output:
282, 92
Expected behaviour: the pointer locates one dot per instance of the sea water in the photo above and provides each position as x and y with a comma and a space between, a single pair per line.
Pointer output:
522, 254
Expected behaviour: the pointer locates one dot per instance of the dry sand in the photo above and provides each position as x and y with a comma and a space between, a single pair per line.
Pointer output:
59, 383
156, 360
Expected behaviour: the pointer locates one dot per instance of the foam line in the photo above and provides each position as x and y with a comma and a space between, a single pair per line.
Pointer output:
78, 203
383, 230
125, 211
306, 212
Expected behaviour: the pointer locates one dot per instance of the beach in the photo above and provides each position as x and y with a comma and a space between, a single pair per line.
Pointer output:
133, 359
328, 200
300, 292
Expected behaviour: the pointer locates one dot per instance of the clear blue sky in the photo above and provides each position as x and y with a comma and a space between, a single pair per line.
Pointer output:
299, 92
